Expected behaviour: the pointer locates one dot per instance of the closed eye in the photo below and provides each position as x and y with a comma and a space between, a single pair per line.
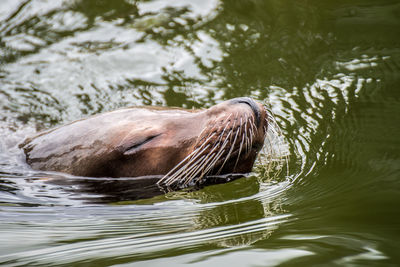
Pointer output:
135, 147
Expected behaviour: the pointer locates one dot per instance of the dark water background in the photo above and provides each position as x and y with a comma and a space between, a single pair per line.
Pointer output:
329, 69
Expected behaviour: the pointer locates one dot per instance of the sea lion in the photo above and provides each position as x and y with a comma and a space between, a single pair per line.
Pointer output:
138, 141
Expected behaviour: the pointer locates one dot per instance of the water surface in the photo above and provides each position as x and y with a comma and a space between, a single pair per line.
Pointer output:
330, 71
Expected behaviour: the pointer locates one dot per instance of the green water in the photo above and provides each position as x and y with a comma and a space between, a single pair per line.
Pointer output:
329, 69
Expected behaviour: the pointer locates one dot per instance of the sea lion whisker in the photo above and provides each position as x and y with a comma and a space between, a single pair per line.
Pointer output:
251, 133
225, 122
189, 157
217, 156
166, 178
222, 147
226, 159
250, 137
223, 131
212, 163
232, 147
205, 142
201, 164
280, 145
215, 160
240, 151
226, 140
245, 134
253, 124
240, 127
206, 128
276, 143
277, 163
240, 130
278, 134
192, 156
192, 170
191, 164
254, 129
269, 155
181, 172
199, 169
241, 143
271, 118
220, 152
274, 125
233, 127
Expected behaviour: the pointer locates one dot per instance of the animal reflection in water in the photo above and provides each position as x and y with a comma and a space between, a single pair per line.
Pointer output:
172, 147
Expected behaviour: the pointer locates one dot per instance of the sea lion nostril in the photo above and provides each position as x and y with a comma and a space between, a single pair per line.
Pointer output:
252, 104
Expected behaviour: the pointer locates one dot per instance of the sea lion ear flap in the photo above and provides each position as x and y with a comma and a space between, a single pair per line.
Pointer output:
133, 146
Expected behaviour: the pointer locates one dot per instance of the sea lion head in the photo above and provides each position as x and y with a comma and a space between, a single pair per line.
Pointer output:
223, 139
179, 144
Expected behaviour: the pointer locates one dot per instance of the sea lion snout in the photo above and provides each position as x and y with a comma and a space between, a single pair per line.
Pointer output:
253, 105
